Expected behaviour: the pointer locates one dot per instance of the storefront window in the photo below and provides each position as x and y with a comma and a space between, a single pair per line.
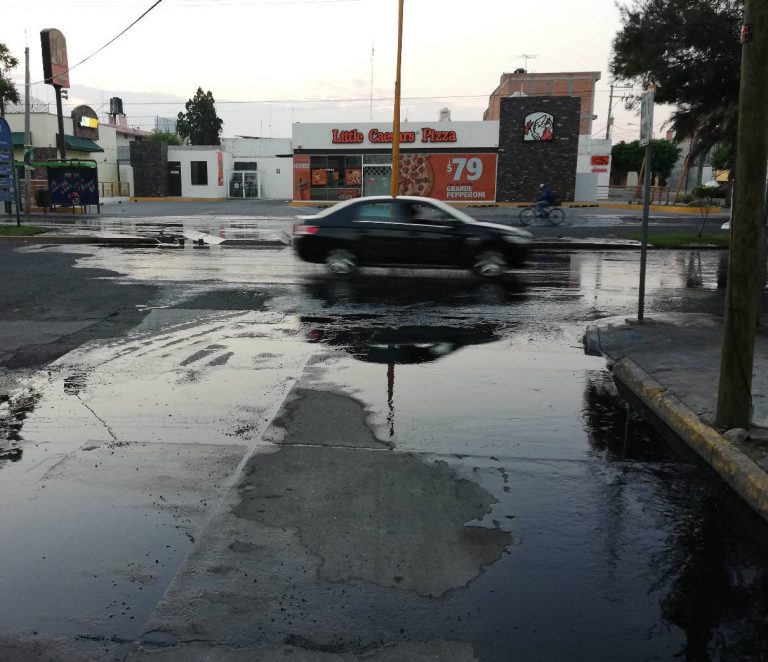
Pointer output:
336, 177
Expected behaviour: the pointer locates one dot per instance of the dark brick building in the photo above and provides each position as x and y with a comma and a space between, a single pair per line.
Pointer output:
150, 169
524, 164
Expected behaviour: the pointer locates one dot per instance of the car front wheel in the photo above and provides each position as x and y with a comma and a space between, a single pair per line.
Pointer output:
341, 261
490, 264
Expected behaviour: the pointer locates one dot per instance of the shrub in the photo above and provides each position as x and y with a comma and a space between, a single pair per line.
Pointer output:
708, 192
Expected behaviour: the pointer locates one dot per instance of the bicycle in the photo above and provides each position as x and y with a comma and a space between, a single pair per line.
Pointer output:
555, 215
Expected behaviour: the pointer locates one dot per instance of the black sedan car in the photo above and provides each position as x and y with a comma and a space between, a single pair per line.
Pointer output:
406, 231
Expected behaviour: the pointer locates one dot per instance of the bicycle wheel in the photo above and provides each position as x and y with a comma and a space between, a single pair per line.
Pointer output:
527, 215
556, 216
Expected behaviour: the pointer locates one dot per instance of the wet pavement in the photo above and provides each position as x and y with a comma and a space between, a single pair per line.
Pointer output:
236, 222
404, 466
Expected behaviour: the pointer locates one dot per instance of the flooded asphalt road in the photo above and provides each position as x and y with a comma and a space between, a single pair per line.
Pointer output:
401, 466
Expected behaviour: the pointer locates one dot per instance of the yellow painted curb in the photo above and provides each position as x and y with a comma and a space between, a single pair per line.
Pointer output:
665, 208
746, 477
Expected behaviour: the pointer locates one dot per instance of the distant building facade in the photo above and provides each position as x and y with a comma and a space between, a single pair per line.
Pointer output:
579, 84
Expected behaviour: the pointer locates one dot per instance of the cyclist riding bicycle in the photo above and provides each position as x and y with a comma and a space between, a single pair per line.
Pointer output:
544, 198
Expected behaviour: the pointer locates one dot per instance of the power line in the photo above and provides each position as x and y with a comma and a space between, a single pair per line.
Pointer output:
111, 40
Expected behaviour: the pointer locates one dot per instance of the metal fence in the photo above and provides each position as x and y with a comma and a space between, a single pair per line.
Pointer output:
114, 189
659, 195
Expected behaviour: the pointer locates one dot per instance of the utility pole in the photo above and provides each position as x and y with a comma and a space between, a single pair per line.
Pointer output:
610, 115
734, 398
609, 124
27, 136
395, 181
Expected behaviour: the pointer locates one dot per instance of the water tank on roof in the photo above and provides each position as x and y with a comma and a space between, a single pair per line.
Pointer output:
445, 115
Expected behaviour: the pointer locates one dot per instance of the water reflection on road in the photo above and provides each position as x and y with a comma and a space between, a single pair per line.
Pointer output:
616, 546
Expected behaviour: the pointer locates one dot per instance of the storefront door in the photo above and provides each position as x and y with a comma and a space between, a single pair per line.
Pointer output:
376, 179
174, 178
244, 184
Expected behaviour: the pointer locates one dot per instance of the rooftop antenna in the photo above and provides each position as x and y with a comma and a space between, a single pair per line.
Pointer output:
371, 110
526, 57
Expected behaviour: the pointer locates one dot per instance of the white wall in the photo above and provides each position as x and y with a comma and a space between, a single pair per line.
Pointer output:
245, 149
107, 160
185, 154
599, 176
276, 178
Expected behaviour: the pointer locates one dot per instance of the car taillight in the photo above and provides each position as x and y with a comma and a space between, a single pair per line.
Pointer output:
305, 229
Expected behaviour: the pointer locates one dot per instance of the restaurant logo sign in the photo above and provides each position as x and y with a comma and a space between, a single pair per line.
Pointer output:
539, 126
425, 135
85, 122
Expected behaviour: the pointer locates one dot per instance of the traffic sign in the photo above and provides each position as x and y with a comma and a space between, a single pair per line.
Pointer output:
646, 118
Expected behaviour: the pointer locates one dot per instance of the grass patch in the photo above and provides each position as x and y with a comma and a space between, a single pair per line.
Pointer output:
23, 231
683, 240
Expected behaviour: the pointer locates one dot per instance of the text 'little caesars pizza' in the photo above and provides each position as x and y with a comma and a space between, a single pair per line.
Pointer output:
416, 176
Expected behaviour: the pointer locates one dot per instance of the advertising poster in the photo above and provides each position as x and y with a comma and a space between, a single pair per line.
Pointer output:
449, 177
319, 177
301, 177
220, 167
7, 190
353, 177
73, 186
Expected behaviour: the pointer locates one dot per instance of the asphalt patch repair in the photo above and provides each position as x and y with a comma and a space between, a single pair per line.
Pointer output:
333, 546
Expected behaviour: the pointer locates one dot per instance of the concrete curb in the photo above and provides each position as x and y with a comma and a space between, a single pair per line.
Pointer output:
735, 468
75, 239
131, 241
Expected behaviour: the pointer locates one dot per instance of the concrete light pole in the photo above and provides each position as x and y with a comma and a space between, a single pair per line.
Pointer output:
734, 399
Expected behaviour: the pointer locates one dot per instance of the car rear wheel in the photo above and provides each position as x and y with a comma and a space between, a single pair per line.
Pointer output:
341, 261
490, 264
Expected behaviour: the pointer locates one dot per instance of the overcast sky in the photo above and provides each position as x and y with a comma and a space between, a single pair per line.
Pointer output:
271, 62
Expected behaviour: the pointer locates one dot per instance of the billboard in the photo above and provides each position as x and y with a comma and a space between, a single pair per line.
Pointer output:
55, 63
301, 175
7, 186
74, 185
452, 177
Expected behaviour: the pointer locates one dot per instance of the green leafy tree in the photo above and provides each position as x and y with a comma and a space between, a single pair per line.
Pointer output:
8, 91
200, 123
690, 50
628, 157
664, 155
166, 137
721, 157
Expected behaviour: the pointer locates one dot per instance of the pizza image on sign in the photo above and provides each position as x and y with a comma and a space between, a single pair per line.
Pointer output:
416, 175
539, 126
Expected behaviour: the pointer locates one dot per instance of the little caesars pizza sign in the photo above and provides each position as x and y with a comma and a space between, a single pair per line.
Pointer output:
377, 136
413, 135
